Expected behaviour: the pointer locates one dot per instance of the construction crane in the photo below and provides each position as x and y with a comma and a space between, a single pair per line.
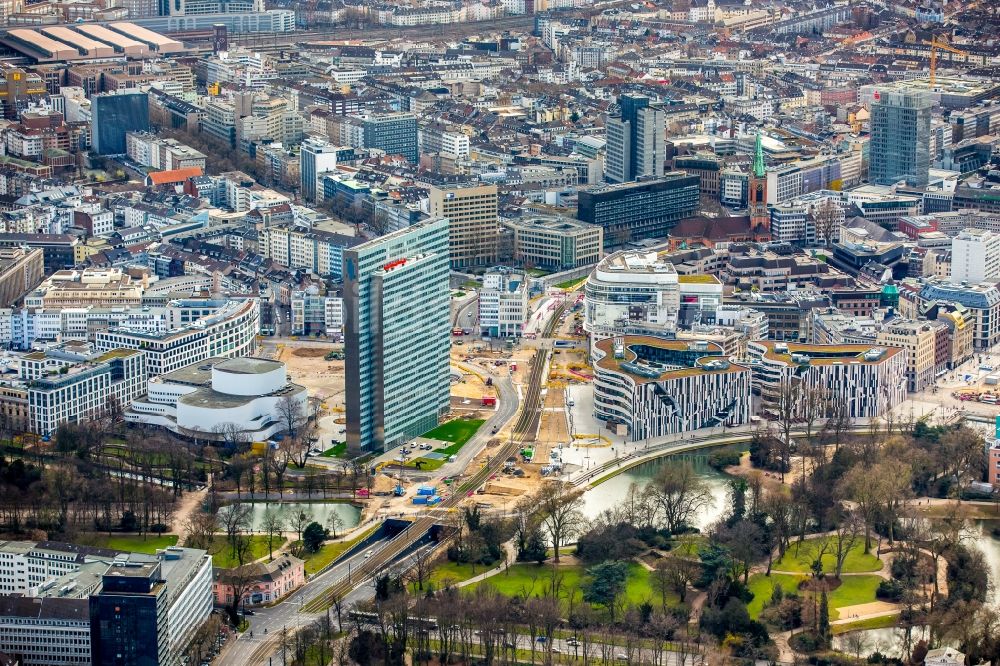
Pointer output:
943, 46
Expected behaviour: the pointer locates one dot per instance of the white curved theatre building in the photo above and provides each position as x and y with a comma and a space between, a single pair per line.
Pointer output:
198, 400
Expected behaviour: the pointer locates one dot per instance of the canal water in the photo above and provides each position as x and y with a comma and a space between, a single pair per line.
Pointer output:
887, 641
320, 512
612, 491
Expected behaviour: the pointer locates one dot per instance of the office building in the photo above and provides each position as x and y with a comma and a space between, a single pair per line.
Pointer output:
230, 330
638, 292
472, 213
317, 157
982, 300
900, 136
113, 116
59, 601
392, 133
650, 387
74, 383
104, 287
554, 243
503, 304
313, 313
397, 336
21, 269
128, 617
636, 140
196, 400
58, 250
869, 380
636, 211
975, 256
917, 340
632, 292
151, 151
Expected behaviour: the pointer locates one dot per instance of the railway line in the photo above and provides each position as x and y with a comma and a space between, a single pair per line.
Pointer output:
523, 429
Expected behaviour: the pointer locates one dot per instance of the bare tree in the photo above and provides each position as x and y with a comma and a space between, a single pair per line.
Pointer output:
298, 521
235, 520
787, 401
273, 524
845, 536
677, 494
559, 507
200, 527
290, 413
827, 219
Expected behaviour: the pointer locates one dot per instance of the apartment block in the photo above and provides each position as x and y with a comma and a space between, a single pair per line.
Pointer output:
917, 340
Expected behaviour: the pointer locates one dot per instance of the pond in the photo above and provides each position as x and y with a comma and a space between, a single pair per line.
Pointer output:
614, 489
320, 512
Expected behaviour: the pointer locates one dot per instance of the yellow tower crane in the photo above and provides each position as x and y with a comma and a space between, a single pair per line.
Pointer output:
935, 47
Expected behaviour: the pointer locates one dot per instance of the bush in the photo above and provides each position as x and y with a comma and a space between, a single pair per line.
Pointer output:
721, 459
890, 590
807, 641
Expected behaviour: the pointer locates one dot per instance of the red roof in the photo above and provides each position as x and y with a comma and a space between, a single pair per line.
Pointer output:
173, 176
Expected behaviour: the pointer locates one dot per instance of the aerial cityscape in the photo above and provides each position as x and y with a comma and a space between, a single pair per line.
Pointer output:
499, 333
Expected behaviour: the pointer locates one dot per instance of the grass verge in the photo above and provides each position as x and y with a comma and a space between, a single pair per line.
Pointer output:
328, 553
132, 543
881, 622
336, 451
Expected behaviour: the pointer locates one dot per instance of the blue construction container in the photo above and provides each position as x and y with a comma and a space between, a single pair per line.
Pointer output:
433, 499
420, 499
426, 490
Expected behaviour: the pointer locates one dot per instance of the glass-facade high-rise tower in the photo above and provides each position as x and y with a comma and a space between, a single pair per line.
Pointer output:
636, 140
397, 336
900, 137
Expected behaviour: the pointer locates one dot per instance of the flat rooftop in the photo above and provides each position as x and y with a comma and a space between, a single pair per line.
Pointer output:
828, 354
245, 365
678, 358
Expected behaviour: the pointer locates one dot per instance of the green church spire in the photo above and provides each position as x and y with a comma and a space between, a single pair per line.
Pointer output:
758, 159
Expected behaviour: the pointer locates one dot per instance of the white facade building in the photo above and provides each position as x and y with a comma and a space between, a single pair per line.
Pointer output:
67, 387
198, 400
503, 304
46, 589
230, 331
975, 256
632, 290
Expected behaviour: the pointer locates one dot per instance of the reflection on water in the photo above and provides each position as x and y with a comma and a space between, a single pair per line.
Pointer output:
320, 512
890, 642
613, 490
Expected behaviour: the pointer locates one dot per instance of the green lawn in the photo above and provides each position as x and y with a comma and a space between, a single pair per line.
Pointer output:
331, 551
222, 555
763, 586
525, 579
132, 543
336, 451
880, 622
447, 573
799, 558
458, 432
852, 590
572, 284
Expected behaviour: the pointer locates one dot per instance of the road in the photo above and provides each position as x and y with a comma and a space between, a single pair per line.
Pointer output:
267, 624
464, 314
316, 594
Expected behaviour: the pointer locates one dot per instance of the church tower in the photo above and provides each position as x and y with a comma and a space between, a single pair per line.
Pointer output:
760, 220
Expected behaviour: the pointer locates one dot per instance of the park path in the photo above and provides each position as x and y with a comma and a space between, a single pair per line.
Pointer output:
191, 501
511, 557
